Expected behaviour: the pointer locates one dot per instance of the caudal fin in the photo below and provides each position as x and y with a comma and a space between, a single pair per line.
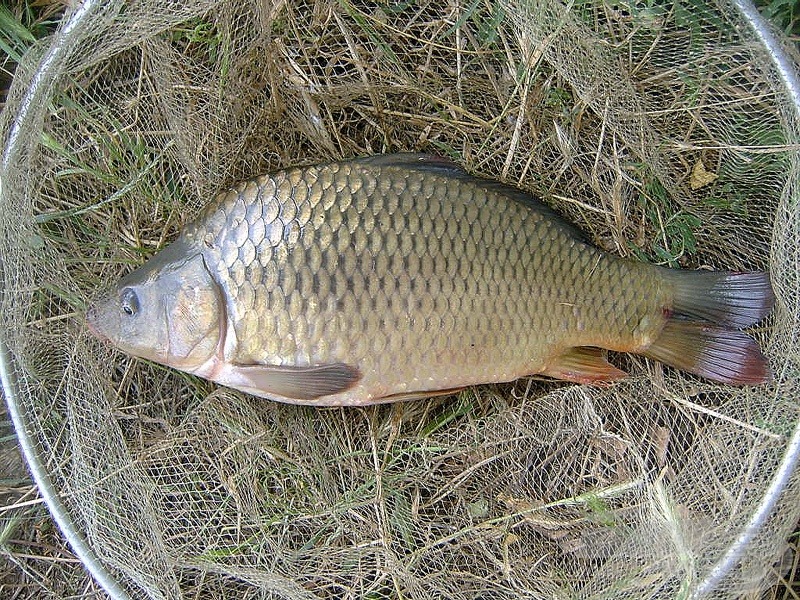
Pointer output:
729, 299
724, 355
702, 333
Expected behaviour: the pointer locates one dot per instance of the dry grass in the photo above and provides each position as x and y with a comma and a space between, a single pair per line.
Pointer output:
354, 79
36, 561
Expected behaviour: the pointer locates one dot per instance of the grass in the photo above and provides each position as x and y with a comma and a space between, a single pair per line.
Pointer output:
424, 480
783, 14
674, 231
21, 24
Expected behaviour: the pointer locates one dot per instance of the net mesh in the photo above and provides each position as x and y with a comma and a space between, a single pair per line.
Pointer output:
662, 130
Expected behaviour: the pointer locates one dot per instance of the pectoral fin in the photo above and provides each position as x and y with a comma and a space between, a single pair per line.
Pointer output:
583, 365
292, 383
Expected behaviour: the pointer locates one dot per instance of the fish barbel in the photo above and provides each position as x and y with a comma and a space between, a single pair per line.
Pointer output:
401, 276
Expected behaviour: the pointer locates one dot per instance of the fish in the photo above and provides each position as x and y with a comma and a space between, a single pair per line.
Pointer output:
401, 276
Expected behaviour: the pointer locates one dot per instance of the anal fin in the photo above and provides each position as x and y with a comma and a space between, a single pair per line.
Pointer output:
583, 364
292, 383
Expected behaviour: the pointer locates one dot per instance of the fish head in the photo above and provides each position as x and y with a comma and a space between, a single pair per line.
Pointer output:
169, 310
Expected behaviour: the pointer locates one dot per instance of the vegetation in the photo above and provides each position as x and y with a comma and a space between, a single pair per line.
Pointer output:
657, 228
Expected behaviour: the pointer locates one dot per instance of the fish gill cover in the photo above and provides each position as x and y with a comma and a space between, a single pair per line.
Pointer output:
662, 131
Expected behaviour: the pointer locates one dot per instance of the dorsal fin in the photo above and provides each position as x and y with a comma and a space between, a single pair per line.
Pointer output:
430, 163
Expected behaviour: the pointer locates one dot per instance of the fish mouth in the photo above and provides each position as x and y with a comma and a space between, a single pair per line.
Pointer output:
91, 323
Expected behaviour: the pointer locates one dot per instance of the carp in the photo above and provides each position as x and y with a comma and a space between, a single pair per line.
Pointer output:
401, 276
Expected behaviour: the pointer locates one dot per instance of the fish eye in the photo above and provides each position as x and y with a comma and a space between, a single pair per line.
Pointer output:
130, 302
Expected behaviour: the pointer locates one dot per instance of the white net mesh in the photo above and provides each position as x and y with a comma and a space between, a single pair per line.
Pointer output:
664, 131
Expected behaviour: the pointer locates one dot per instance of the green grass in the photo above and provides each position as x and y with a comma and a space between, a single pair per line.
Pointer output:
672, 231
783, 14
15, 38
22, 23
486, 19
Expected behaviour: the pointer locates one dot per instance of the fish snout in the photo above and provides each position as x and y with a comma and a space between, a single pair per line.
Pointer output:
92, 320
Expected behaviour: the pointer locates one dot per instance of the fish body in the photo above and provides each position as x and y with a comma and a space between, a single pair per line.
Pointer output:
400, 276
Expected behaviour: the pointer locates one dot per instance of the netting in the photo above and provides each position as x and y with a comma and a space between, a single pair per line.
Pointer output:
661, 128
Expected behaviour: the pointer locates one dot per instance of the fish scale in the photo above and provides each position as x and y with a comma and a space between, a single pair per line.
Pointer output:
400, 275
514, 292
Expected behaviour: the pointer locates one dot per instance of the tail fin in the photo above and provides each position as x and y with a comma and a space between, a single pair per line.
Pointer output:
724, 355
723, 298
701, 335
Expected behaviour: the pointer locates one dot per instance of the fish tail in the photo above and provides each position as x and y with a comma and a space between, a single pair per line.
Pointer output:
723, 298
702, 334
